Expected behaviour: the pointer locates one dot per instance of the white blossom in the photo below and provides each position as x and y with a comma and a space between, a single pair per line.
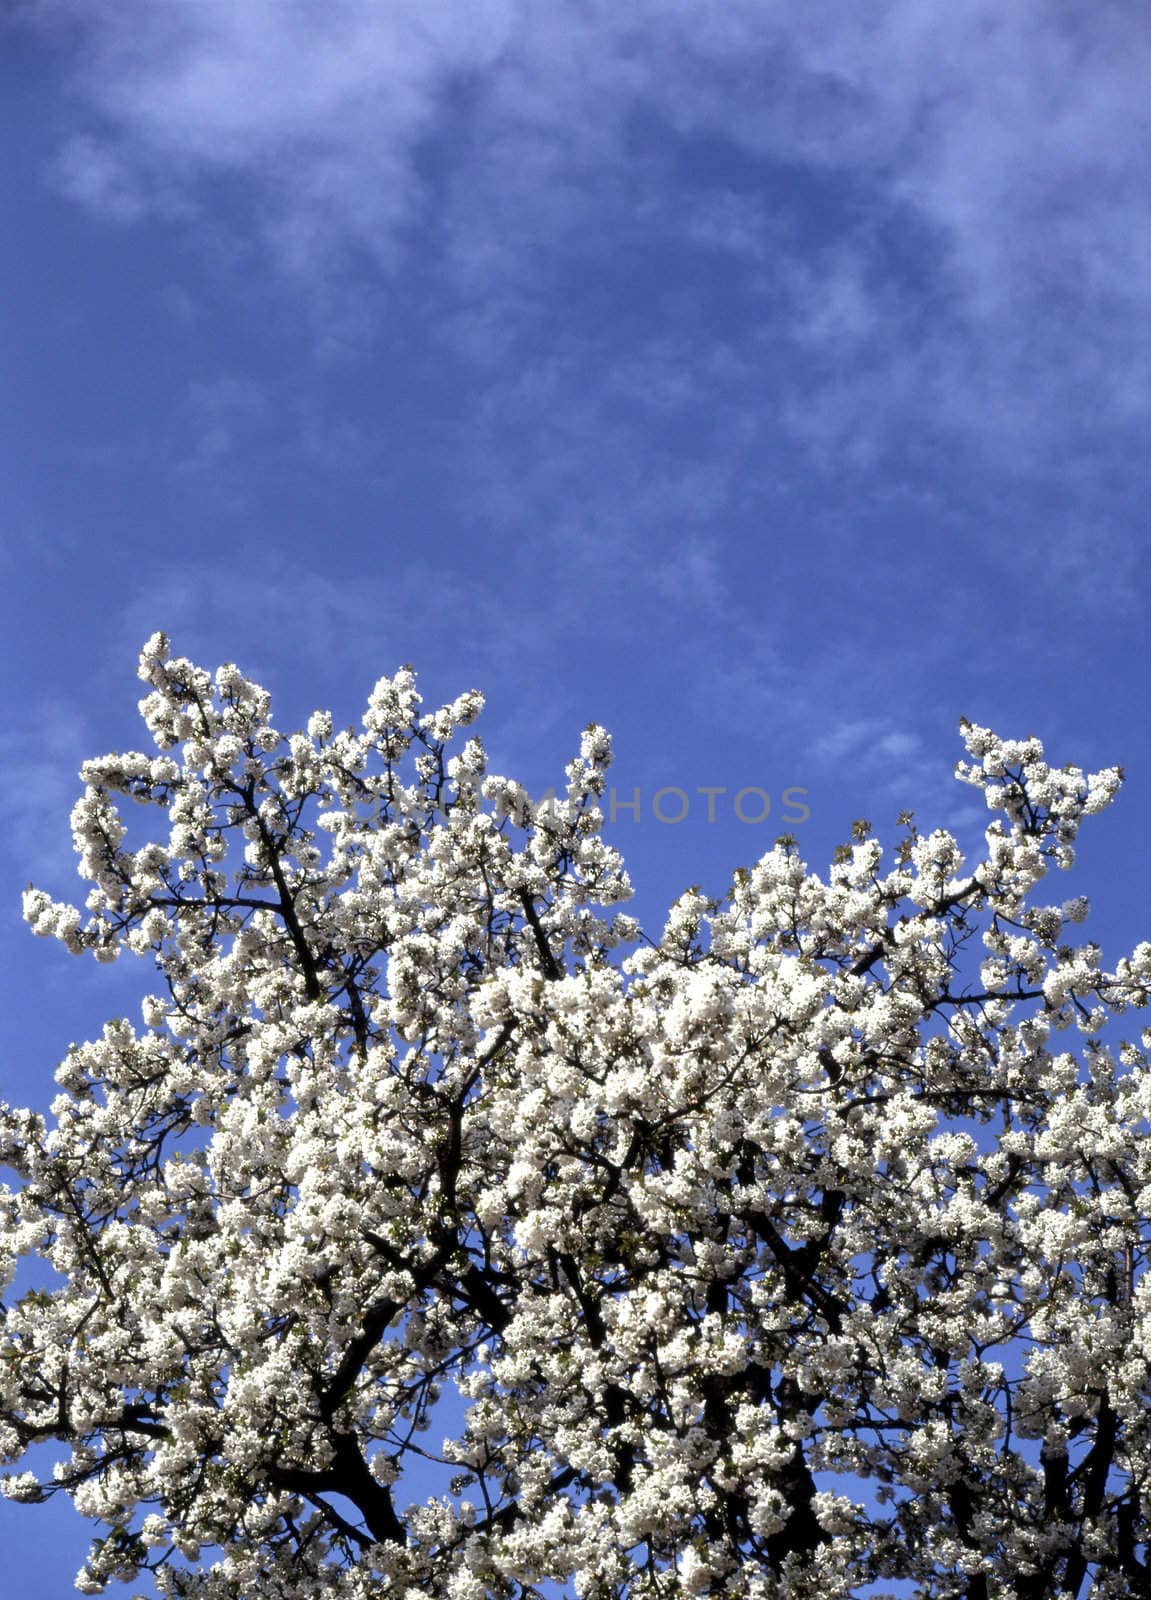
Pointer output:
781, 1257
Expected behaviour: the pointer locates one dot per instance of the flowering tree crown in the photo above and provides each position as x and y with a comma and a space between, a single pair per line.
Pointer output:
776, 1258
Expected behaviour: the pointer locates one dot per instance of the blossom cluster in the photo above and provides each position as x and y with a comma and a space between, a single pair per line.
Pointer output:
782, 1255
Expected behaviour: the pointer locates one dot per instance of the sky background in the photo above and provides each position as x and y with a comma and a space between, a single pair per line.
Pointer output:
769, 384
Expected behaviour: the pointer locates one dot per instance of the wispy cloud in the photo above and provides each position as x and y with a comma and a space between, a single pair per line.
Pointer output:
1014, 136
220, 412
886, 236
39, 759
95, 174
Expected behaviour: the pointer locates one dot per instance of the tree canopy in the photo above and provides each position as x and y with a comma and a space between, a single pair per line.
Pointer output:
797, 1251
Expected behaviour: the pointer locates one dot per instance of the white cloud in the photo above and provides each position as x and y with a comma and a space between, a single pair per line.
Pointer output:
980, 117
877, 745
321, 105
96, 175
38, 786
978, 172
221, 411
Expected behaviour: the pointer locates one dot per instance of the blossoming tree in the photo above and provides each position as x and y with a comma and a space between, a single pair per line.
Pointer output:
790, 1255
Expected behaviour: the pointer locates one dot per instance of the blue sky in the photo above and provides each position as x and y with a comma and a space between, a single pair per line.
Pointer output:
770, 384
